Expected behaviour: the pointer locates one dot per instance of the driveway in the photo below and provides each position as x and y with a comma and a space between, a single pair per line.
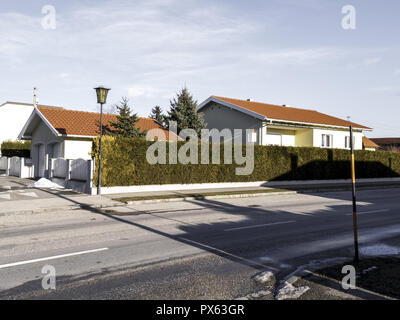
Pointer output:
13, 188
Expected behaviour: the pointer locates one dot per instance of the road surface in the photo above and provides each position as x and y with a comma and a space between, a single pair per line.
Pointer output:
204, 249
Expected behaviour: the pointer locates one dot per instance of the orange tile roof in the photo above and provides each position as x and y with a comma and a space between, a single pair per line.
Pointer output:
367, 143
386, 141
82, 123
290, 114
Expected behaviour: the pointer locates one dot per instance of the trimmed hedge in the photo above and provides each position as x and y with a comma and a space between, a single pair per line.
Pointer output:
124, 163
16, 149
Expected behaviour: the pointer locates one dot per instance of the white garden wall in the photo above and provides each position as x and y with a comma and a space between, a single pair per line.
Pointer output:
17, 167
73, 174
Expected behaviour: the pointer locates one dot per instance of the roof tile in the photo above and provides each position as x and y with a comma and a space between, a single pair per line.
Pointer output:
290, 114
82, 123
368, 143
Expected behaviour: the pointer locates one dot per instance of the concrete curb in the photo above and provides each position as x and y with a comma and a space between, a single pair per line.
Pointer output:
59, 208
225, 196
251, 195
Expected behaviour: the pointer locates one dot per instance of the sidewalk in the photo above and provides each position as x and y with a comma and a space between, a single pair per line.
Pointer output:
45, 200
221, 193
54, 204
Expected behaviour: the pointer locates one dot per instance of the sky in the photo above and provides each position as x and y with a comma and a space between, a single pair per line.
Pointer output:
293, 52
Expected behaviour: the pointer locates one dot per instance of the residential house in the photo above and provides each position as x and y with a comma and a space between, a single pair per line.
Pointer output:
13, 116
57, 132
369, 145
389, 144
280, 125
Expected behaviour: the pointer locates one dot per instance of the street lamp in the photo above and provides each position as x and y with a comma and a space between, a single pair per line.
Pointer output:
101, 93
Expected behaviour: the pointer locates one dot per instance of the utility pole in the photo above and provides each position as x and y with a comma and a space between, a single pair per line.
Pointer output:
353, 183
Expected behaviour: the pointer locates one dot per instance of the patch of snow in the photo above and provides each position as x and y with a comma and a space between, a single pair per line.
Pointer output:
260, 294
255, 295
369, 269
266, 259
264, 277
45, 183
288, 291
379, 250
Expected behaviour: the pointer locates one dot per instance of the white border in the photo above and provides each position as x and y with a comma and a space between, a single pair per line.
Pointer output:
195, 186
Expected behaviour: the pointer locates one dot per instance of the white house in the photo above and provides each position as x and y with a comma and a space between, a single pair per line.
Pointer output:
13, 116
280, 125
61, 133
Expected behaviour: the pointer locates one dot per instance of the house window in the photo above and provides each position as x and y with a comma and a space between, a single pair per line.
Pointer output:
347, 142
274, 139
327, 141
252, 136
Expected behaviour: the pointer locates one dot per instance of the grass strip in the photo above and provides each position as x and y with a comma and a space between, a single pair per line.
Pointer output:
197, 195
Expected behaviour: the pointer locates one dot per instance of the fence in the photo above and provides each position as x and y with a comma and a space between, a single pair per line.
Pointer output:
4, 165
17, 167
73, 174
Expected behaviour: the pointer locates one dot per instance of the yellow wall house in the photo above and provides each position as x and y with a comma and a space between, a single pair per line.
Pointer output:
280, 125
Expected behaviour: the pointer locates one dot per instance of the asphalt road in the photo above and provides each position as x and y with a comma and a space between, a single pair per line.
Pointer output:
209, 249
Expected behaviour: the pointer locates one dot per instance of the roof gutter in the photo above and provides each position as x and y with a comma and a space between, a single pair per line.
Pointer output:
296, 123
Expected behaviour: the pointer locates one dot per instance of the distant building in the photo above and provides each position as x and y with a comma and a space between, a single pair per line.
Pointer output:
389, 144
368, 144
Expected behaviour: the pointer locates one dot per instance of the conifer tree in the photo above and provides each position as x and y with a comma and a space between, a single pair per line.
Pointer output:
157, 114
184, 112
126, 122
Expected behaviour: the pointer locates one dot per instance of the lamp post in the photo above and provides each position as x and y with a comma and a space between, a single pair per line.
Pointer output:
101, 93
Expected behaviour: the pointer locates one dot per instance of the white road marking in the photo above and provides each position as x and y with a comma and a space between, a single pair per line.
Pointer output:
6, 196
50, 258
259, 225
29, 194
365, 212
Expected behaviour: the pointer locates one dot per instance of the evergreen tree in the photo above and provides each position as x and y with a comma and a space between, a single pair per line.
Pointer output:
157, 114
126, 122
184, 112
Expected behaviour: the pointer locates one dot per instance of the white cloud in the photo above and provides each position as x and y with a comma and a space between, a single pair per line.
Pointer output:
64, 75
387, 90
371, 61
292, 56
147, 50
142, 91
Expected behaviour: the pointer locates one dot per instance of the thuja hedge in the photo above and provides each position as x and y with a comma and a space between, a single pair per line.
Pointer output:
124, 163
16, 149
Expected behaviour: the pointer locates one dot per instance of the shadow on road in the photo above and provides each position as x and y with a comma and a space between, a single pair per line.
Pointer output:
227, 239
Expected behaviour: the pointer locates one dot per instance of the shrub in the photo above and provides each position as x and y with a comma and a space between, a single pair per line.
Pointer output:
124, 163
16, 149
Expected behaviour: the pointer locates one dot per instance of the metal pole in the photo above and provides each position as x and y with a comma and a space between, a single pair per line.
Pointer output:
353, 183
99, 163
